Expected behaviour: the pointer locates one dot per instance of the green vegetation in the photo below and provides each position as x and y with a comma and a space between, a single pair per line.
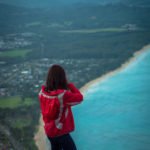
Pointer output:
20, 122
14, 102
55, 25
95, 30
15, 53
33, 24
68, 23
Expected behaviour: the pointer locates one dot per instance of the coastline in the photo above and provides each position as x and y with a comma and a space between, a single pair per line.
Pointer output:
40, 138
110, 73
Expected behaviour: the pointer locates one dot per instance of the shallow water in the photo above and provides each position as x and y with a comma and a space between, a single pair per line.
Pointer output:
115, 113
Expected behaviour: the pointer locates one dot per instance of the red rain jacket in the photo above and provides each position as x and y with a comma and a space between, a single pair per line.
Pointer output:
65, 122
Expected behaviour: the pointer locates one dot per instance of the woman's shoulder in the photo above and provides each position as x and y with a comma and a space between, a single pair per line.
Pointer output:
53, 92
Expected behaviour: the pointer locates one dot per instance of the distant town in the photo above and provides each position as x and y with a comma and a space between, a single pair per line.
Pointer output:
25, 78
12, 41
18, 79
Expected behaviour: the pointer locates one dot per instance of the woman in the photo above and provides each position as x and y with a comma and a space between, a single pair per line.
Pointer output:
57, 127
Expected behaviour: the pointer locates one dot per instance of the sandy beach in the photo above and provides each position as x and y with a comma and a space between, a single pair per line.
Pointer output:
110, 73
40, 138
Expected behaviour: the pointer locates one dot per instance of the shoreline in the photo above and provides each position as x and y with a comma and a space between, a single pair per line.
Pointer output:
40, 138
111, 73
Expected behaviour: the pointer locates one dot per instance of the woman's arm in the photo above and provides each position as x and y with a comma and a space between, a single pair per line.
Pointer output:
74, 96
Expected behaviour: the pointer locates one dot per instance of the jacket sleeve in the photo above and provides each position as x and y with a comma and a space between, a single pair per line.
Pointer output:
73, 96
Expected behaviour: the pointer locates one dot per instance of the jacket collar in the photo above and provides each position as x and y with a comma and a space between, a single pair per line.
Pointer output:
52, 93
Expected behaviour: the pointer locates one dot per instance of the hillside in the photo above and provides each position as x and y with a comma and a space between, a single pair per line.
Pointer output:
52, 26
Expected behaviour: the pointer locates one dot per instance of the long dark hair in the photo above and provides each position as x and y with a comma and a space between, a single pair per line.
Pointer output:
56, 78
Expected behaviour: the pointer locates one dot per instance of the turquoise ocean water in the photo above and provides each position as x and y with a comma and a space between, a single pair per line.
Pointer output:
115, 114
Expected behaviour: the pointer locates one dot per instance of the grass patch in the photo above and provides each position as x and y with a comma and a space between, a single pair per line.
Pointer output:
95, 30
55, 25
20, 123
15, 53
14, 102
33, 24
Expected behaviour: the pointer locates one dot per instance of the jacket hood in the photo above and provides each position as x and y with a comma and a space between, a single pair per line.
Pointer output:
51, 93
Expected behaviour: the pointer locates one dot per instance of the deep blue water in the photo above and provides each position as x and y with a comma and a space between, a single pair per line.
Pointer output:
115, 114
